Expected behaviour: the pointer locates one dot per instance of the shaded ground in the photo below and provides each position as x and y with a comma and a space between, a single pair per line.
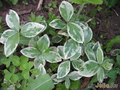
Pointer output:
108, 21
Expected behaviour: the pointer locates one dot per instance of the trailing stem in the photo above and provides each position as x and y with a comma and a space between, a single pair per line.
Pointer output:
80, 10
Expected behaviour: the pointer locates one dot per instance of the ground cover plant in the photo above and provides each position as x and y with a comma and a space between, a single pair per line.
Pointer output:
43, 63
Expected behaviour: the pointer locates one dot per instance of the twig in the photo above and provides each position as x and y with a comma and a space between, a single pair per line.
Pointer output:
39, 5
115, 12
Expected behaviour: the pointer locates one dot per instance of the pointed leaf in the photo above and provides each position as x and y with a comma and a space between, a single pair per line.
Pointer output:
12, 20
66, 10
100, 74
30, 52
43, 82
70, 48
57, 24
41, 70
75, 32
52, 57
11, 44
43, 43
77, 64
89, 52
32, 29
67, 82
6, 34
107, 65
87, 35
89, 68
60, 51
77, 55
99, 55
74, 75
63, 69
39, 60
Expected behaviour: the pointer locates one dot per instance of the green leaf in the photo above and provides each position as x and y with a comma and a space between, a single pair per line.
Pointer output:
112, 74
99, 55
30, 52
6, 62
75, 84
41, 70
11, 44
6, 34
77, 64
43, 43
75, 32
14, 78
25, 74
7, 74
86, 1
14, 2
67, 82
24, 40
107, 65
70, 48
118, 59
39, 60
52, 57
57, 24
15, 60
12, 20
30, 65
100, 74
32, 29
43, 82
89, 52
74, 75
66, 10
23, 59
63, 69
12, 69
89, 68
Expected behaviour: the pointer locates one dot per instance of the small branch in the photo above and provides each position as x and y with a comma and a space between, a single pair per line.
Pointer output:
115, 12
39, 5
80, 10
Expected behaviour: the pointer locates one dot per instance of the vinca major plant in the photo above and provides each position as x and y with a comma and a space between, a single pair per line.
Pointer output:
78, 57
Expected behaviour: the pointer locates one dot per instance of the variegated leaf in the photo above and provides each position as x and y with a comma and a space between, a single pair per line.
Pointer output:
43, 43
12, 20
77, 64
99, 55
30, 52
74, 75
52, 57
75, 32
41, 70
66, 10
32, 29
60, 51
39, 60
100, 74
57, 24
67, 82
70, 48
63, 69
6, 34
89, 68
11, 44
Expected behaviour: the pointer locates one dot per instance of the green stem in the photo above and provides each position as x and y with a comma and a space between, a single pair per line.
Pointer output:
80, 10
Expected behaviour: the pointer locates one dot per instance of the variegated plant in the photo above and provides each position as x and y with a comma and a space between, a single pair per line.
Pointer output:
78, 57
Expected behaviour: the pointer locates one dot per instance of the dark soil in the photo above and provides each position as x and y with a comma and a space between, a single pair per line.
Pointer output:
108, 20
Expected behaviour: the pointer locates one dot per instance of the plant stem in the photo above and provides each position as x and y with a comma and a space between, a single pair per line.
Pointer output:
80, 10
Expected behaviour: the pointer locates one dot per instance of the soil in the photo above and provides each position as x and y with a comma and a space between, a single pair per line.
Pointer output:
108, 20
